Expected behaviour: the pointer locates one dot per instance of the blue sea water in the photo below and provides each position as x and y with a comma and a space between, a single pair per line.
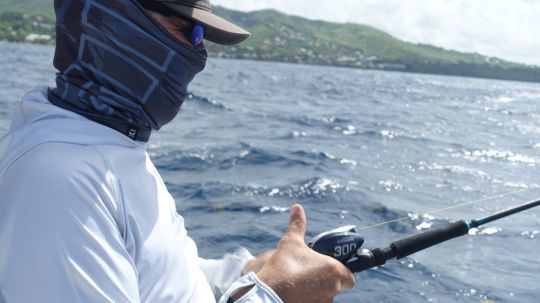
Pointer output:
354, 147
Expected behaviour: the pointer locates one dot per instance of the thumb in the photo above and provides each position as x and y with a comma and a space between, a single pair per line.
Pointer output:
297, 223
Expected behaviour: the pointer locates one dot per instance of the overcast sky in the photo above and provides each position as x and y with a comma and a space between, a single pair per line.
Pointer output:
508, 29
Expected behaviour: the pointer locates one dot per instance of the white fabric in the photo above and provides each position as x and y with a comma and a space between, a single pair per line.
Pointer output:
260, 293
85, 217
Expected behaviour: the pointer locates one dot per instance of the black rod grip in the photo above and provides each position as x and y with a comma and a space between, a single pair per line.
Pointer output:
411, 245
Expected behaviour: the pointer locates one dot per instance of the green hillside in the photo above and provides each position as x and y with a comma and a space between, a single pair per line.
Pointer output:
274, 29
280, 37
31, 7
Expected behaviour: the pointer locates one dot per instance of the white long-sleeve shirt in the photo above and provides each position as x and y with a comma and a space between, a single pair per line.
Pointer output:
86, 217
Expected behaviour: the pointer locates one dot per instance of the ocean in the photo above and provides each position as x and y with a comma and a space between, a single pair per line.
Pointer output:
354, 147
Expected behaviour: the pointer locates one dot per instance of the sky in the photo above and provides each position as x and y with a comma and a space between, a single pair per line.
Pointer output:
507, 29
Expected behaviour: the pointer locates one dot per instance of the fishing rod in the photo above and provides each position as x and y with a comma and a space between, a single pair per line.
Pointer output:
344, 243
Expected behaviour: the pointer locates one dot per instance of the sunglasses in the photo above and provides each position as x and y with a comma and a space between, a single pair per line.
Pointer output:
197, 35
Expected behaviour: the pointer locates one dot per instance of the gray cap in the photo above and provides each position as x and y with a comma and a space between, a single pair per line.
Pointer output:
217, 29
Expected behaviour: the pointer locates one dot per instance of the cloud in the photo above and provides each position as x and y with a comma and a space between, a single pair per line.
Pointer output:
501, 28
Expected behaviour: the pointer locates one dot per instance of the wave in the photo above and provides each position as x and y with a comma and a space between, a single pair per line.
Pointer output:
528, 129
328, 122
293, 135
490, 155
386, 134
249, 155
213, 191
242, 154
516, 96
391, 185
178, 160
310, 190
516, 184
204, 102
454, 169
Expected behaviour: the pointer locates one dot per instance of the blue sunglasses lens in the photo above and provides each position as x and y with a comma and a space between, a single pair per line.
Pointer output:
197, 35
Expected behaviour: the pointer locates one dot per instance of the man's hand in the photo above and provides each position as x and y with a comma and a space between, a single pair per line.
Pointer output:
257, 264
298, 274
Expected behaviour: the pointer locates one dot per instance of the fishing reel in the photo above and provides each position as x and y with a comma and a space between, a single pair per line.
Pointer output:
342, 244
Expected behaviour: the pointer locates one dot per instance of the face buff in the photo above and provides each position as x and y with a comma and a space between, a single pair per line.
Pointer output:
117, 66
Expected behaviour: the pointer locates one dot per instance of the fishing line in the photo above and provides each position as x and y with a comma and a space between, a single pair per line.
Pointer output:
439, 210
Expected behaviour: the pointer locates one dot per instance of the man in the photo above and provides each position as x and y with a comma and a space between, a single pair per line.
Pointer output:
84, 215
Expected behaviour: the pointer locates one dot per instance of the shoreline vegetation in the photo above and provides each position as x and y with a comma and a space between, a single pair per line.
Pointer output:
284, 38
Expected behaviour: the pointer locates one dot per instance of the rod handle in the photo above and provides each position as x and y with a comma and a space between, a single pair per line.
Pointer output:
411, 245
370, 259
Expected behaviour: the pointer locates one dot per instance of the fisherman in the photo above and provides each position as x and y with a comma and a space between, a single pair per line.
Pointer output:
84, 215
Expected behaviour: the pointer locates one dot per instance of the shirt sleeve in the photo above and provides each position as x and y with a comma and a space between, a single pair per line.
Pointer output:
259, 293
222, 273
59, 241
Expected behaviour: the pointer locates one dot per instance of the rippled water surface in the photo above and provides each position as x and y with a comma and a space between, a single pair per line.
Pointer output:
354, 147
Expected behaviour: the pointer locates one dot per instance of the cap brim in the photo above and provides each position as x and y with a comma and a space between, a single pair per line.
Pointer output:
217, 29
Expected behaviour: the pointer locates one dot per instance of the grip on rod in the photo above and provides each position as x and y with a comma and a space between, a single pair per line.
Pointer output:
411, 245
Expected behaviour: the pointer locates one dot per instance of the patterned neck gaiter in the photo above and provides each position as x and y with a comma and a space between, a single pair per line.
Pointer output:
117, 66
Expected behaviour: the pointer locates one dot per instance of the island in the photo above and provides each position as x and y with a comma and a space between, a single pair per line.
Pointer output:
285, 38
